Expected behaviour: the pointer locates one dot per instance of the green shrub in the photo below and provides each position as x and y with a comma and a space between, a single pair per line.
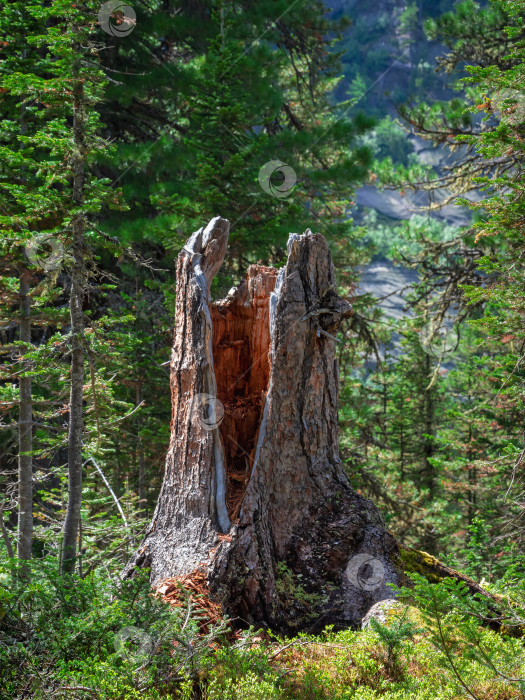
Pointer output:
60, 636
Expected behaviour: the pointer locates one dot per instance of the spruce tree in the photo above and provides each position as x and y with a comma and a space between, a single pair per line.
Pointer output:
48, 190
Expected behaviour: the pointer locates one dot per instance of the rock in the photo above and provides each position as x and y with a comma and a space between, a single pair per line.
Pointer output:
390, 283
379, 611
392, 204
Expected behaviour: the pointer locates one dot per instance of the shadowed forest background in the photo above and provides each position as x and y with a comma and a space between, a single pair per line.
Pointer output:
403, 126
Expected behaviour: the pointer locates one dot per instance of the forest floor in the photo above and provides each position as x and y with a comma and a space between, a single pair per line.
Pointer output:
111, 640
353, 664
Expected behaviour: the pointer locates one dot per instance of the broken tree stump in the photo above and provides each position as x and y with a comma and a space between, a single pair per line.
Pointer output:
254, 493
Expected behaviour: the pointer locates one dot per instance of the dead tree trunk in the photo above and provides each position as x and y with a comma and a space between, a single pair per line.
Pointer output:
254, 492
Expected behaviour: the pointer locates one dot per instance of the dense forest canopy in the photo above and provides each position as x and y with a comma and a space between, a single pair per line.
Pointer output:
393, 129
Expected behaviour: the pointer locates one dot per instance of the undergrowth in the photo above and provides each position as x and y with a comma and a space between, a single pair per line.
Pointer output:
100, 638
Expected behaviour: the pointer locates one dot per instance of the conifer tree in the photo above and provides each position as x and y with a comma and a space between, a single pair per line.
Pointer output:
48, 191
221, 92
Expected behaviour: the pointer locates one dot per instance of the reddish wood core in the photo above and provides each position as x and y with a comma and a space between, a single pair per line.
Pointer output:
241, 356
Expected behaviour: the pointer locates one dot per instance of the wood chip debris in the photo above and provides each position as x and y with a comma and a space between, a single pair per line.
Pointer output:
177, 589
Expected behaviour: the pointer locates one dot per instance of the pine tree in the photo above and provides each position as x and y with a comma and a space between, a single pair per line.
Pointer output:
216, 117
47, 185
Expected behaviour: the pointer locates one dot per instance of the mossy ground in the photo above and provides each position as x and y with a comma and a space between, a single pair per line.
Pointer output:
58, 641
353, 665
345, 665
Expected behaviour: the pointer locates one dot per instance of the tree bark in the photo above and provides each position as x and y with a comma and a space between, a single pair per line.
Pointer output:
142, 460
258, 498
25, 431
78, 281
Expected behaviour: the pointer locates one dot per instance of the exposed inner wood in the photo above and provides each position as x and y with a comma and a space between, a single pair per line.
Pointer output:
241, 358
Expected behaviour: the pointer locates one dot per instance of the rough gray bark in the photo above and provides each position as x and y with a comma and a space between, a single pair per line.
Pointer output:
301, 524
191, 503
25, 432
302, 550
142, 461
5, 534
78, 281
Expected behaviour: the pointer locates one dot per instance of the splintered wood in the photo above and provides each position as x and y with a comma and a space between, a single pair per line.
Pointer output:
178, 589
241, 357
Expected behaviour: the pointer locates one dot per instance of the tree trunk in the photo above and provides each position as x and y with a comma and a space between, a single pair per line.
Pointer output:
78, 281
25, 431
257, 497
142, 460
254, 494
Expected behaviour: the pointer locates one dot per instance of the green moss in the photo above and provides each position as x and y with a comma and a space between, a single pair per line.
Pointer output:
290, 590
415, 561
